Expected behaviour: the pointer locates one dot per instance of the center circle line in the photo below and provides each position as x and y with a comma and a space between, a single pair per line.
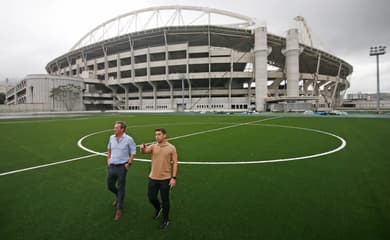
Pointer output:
343, 144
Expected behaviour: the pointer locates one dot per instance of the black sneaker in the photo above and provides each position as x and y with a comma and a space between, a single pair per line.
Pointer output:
157, 214
164, 224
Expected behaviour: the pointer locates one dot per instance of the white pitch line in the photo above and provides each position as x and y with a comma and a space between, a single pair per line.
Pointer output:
340, 147
80, 141
46, 165
94, 153
42, 120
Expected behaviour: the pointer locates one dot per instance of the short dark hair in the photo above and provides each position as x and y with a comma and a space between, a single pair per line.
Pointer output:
161, 130
123, 124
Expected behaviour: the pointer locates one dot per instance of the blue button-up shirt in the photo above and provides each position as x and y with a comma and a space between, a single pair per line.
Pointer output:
120, 150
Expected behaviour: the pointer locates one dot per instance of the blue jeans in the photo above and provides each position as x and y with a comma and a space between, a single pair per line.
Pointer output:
117, 176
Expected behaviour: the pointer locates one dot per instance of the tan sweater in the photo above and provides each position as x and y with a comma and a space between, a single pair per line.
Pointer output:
162, 160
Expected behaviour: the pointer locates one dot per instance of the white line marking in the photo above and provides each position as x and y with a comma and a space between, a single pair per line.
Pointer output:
46, 165
42, 120
80, 141
340, 147
104, 154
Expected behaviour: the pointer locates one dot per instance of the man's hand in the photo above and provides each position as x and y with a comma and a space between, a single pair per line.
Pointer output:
127, 165
143, 147
172, 183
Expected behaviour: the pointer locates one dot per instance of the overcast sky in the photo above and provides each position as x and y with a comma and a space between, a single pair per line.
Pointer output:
33, 32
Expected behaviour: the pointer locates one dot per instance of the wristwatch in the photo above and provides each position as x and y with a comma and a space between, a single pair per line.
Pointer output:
174, 178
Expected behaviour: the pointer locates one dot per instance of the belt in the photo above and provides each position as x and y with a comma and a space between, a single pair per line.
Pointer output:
117, 164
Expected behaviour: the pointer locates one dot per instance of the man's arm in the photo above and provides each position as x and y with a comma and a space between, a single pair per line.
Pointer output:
109, 152
131, 158
133, 151
108, 156
175, 165
146, 149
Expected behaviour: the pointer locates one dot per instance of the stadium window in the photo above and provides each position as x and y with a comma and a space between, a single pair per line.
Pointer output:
239, 67
125, 61
140, 72
157, 70
112, 64
177, 54
100, 66
199, 55
140, 59
177, 69
112, 75
126, 74
157, 56
220, 67
195, 68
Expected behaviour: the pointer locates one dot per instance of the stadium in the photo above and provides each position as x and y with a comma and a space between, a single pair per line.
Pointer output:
184, 58
241, 175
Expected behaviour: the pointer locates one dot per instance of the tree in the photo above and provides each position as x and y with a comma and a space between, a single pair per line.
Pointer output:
68, 94
2, 98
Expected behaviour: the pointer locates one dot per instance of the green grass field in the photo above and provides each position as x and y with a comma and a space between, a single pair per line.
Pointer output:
344, 195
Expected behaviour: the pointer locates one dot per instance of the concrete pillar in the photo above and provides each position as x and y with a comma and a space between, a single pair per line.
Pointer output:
188, 78
292, 52
189, 93
261, 73
126, 88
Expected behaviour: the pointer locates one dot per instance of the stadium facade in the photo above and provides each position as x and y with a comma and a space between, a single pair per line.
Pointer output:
175, 58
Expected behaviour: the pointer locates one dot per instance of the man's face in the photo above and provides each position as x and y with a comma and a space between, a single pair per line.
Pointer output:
159, 136
117, 129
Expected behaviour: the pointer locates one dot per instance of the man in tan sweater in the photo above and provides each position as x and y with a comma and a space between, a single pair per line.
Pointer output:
163, 173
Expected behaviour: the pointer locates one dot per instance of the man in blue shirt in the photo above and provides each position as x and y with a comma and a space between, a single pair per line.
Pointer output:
121, 152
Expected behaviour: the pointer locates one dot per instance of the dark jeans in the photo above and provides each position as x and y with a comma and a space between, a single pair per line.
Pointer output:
117, 176
154, 187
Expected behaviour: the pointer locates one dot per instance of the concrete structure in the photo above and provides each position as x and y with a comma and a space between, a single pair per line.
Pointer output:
366, 101
201, 59
3, 88
34, 93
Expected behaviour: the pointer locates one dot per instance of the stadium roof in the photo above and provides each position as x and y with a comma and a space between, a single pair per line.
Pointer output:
163, 16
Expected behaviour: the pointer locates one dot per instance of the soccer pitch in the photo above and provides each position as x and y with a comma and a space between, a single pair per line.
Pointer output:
240, 177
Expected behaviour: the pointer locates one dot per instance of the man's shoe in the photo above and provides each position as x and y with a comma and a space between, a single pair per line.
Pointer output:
157, 213
118, 215
115, 202
164, 224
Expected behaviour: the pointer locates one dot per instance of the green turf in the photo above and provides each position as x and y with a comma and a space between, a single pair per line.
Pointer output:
345, 195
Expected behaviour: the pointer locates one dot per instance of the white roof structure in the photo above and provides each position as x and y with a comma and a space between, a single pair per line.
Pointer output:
163, 16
